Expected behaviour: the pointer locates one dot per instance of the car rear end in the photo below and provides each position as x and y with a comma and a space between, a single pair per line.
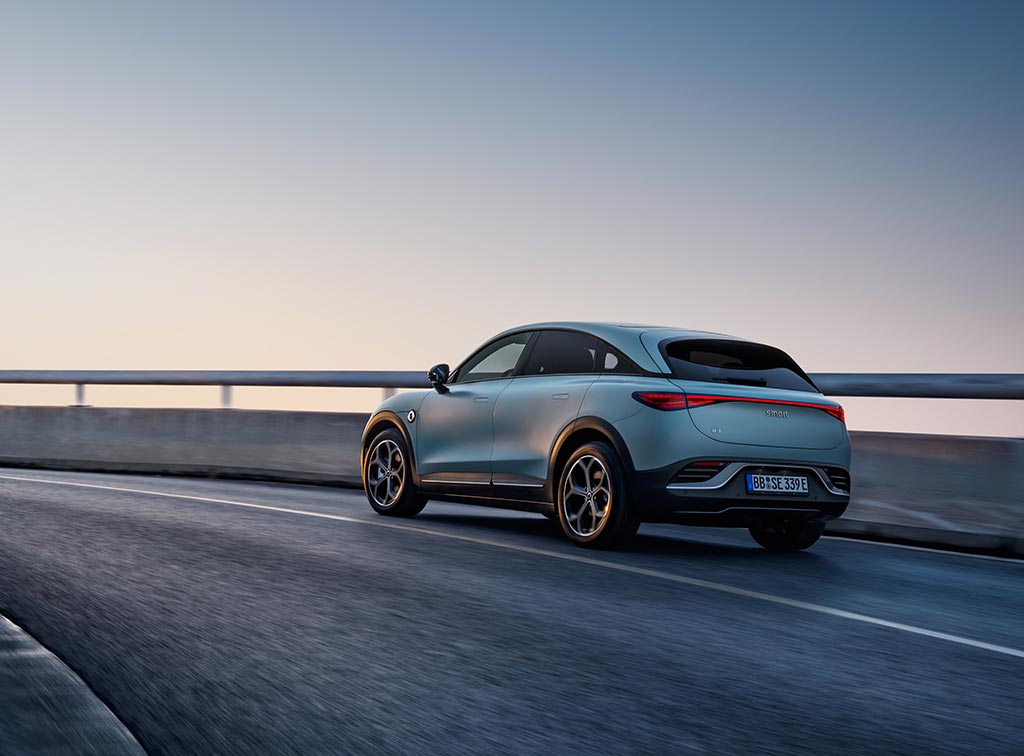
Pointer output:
736, 434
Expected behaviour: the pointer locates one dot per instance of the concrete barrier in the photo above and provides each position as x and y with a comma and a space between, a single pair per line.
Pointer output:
944, 491
302, 447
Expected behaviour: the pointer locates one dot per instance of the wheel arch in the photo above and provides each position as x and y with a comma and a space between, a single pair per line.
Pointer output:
581, 431
382, 421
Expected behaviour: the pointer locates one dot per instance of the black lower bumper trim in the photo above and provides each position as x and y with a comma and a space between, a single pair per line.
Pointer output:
729, 503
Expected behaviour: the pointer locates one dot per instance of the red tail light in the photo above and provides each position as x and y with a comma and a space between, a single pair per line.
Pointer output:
699, 472
699, 401
696, 400
662, 400
837, 412
665, 400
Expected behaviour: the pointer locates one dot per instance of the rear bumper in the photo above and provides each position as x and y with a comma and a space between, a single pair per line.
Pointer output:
723, 500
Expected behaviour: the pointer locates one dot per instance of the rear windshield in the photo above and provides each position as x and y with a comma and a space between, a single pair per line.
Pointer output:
737, 362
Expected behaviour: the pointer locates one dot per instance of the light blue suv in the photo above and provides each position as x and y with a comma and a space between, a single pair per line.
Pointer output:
604, 426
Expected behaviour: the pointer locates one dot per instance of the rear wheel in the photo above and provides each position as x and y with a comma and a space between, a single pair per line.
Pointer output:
593, 501
787, 536
387, 477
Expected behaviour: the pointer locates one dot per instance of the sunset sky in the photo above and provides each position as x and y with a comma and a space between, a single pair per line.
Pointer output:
323, 185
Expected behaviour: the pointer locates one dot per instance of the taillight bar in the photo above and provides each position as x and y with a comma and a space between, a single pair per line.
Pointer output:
668, 400
699, 400
662, 400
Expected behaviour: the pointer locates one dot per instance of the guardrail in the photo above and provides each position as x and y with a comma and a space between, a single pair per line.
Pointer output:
923, 385
893, 385
388, 380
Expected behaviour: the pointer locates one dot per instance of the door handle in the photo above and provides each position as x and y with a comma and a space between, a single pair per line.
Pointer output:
480, 399
559, 396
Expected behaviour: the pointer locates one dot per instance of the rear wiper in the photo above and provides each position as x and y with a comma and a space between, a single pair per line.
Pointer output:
744, 381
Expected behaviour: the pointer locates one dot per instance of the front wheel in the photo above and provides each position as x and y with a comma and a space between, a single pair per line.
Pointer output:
787, 536
593, 501
387, 477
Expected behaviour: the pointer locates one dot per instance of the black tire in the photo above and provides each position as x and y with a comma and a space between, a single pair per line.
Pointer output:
620, 521
787, 536
392, 494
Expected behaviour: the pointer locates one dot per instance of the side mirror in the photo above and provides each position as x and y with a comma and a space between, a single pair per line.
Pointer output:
438, 376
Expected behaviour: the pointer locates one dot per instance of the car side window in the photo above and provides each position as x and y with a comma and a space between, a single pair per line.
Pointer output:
497, 360
564, 352
570, 352
614, 361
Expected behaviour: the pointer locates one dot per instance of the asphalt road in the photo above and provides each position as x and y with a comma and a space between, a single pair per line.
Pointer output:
312, 626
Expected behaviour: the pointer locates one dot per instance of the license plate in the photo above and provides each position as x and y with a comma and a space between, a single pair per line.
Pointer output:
788, 485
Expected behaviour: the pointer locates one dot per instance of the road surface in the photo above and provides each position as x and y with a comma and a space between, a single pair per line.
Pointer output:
224, 617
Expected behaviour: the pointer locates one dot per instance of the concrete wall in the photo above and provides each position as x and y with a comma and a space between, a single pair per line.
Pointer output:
936, 490
943, 490
306, 447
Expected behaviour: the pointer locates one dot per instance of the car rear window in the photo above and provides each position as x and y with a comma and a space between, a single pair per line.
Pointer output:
737, 362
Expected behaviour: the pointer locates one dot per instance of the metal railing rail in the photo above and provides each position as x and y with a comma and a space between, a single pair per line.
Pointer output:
894, 385
388, 380
923, 385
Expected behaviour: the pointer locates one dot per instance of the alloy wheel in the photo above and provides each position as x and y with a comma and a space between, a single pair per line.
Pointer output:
386, 473
587, 496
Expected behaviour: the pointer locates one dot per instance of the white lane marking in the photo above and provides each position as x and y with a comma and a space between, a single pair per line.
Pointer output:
929, 549
577, 558
1016, 561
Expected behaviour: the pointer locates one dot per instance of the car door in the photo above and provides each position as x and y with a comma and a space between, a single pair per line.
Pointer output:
455, 429
541, 401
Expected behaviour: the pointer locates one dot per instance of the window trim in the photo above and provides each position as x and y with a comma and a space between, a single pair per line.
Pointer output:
527, 349
639, 371
663, 350
635, 369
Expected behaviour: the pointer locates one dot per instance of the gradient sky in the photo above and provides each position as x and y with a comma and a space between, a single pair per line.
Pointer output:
309, 185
